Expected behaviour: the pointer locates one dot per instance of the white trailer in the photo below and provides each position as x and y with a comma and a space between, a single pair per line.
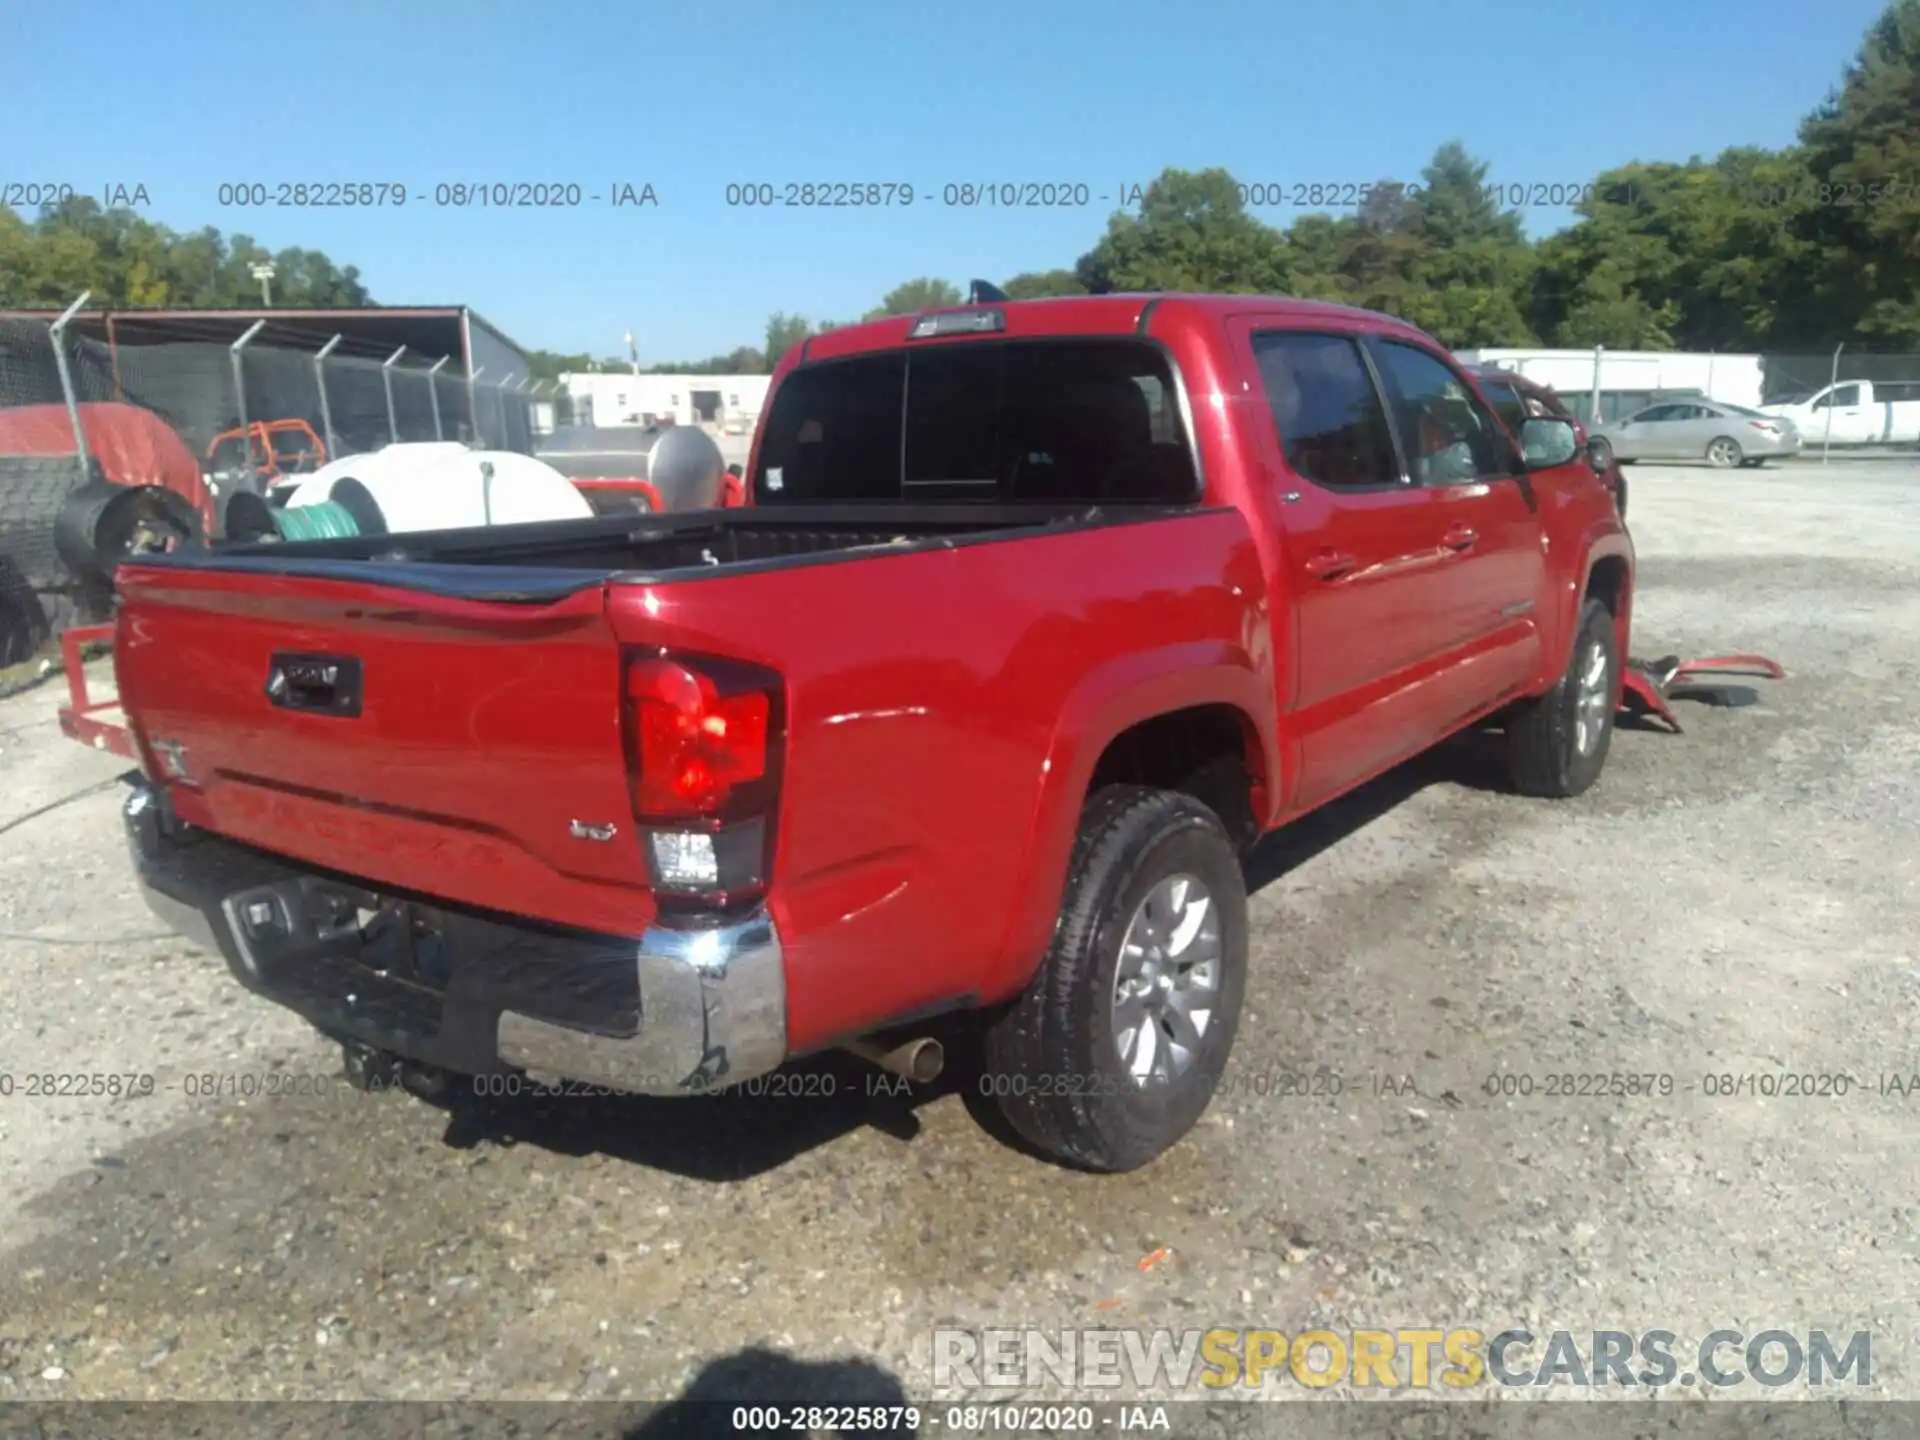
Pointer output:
1577, 374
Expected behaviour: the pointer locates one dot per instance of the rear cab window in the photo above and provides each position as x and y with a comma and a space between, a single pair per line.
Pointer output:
1059, 422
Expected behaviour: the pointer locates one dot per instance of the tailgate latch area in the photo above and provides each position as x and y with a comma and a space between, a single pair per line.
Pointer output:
325, 684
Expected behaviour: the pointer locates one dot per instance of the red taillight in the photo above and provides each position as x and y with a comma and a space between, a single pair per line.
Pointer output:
694, 744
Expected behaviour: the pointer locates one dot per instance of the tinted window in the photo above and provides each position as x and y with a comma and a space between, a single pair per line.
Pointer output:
1656, 413
1898, 391
1845, 395
1507, 403
1330, 419
1063, 422
1447, 436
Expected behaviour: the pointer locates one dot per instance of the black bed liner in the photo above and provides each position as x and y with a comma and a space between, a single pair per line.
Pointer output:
546, 560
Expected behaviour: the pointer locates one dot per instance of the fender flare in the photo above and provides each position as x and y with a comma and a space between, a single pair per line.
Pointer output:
1109, 700
1609, 543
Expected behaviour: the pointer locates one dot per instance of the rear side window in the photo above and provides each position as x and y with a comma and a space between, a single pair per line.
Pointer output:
1073, 422
1331, 422
1448, 436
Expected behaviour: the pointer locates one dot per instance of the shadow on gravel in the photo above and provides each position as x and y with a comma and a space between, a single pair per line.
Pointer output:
765, 1123
730, 1135
767, 1380
1475, 760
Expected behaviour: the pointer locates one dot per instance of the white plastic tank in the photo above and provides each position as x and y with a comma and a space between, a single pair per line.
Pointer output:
444, 486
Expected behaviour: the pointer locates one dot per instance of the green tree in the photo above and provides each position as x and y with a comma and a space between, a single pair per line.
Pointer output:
1038, 284
784, 331
1192, 233
1471, 266
128, 261
1862, 212
925, 293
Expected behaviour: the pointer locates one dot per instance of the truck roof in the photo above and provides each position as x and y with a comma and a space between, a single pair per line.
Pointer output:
1113, 314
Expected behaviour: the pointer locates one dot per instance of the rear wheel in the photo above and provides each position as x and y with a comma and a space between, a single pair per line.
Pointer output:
1724, 453
1557, 744
1115, 1049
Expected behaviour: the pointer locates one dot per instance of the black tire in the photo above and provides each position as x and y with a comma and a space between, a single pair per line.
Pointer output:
1724, 453
1544, 756
1599, 452
1055, 1047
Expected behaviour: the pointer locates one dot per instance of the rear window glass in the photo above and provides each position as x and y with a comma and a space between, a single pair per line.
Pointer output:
1078, 422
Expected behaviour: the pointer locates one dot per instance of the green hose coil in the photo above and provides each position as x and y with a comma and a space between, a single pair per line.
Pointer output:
325, 521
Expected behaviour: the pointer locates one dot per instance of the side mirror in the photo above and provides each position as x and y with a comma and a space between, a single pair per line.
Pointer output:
1547, 441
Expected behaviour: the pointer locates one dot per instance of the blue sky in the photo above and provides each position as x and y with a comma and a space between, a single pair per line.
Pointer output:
691, 97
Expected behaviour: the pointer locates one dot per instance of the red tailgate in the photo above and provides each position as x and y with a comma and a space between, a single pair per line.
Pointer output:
481, 731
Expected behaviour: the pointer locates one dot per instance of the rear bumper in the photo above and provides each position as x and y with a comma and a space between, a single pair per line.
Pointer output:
676, 1012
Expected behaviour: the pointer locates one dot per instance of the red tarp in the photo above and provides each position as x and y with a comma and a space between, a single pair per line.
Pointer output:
133, 445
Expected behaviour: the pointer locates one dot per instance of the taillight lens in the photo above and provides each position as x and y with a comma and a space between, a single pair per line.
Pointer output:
695, 744
703, 743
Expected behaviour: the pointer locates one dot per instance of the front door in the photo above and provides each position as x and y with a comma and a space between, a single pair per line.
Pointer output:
1492, 575
1846, 409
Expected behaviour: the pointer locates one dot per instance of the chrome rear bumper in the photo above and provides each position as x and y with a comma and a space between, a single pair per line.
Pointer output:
680, 1011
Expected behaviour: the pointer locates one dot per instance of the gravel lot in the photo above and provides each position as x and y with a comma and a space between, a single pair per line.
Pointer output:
1739, 899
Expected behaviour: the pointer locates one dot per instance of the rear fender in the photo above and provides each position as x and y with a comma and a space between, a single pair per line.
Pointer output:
1110, 700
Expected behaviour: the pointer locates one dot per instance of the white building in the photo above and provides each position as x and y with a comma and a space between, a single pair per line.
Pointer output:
1730, 379
730, 404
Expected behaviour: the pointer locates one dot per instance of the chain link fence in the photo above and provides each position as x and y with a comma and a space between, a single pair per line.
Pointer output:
279, 401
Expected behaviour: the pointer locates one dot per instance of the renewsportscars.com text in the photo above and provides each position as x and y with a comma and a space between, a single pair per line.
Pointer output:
1450, 1358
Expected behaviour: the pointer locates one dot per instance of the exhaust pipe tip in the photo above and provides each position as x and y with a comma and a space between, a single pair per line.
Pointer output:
920, 1061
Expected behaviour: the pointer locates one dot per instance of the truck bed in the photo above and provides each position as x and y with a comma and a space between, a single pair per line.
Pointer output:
555, 558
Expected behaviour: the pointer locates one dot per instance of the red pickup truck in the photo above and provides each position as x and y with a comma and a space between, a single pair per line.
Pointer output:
1040, 613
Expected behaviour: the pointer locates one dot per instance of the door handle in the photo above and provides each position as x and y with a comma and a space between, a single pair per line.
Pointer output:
1328, 564
1460, 537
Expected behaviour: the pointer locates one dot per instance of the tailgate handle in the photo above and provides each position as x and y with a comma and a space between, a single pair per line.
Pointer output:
324, 684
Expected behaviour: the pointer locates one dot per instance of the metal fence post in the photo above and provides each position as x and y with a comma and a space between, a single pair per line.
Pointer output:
240, 388
386, 380
1833, 379
500, 409
58, 333
473, 403
433, 394
320, 379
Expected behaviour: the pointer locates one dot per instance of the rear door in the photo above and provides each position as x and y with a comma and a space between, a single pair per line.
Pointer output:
1362, 549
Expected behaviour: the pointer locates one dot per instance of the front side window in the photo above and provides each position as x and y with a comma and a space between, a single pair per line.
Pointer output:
1507, 403
1446, 434
1846, 395
1331, 422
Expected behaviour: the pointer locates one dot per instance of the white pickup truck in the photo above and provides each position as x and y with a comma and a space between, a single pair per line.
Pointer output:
1860, 412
